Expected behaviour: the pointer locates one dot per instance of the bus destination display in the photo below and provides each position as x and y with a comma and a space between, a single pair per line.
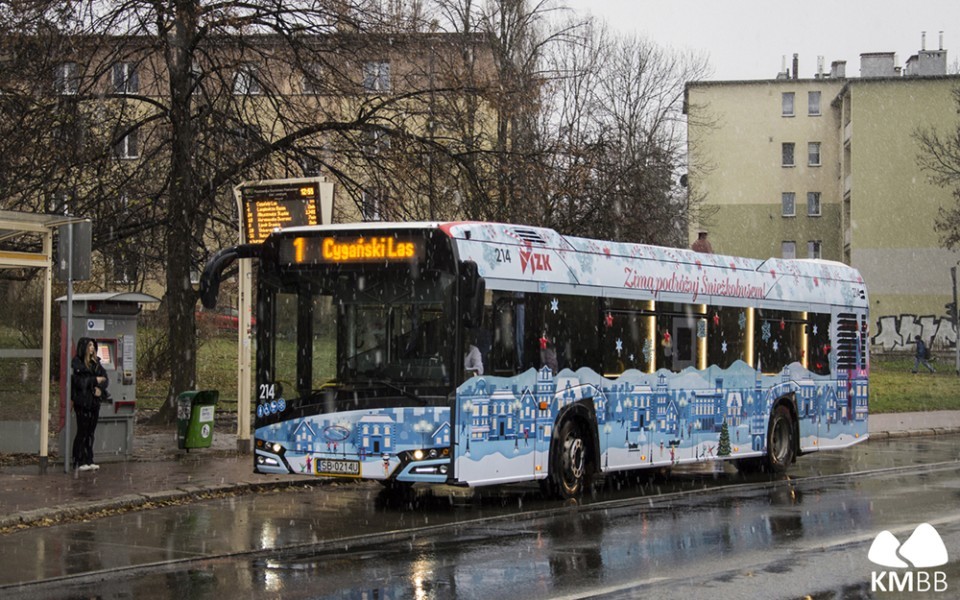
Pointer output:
267, 208
348, 250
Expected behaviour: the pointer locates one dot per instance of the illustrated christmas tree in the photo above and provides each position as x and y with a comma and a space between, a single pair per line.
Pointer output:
723, 449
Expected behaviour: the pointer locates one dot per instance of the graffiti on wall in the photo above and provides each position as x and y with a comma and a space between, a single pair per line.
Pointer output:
897, 332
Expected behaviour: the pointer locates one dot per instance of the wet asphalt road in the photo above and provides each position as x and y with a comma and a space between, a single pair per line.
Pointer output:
697, 534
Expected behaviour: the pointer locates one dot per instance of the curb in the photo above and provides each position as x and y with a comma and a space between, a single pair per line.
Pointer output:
145, 500
926, 431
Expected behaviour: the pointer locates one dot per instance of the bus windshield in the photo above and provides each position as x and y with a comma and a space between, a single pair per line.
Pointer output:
391, 328
394, 327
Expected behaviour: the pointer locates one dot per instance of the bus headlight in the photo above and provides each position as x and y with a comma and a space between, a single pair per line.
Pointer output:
418, 454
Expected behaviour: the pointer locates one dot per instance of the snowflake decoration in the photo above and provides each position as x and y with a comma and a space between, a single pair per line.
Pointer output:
554, 306
619, 346
723, 347
647, 350
633, 358
814, 330
765, 331
743, 321
776, 345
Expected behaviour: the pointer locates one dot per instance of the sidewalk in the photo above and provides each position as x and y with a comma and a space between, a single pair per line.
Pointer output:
159, 474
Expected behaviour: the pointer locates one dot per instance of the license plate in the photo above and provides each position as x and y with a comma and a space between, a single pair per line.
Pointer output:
338, 468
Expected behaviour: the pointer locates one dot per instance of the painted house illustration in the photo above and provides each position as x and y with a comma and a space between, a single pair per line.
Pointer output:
642, 405
376, 434
441, 436
304, 438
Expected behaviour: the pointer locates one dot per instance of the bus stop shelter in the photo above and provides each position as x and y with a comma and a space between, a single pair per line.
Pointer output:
32, 235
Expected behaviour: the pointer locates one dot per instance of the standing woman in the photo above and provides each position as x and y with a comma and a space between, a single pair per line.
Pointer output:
89, 387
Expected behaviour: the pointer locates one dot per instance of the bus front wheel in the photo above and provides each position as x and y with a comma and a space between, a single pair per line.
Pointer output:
570, 467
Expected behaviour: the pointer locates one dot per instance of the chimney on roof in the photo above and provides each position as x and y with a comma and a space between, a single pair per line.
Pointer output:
796, 64
923, 40
941, 40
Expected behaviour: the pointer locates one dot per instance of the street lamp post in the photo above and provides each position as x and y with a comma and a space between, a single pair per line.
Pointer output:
468, 411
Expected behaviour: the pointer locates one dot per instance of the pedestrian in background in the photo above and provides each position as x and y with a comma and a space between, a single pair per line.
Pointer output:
89, 386
702, 244
922, 356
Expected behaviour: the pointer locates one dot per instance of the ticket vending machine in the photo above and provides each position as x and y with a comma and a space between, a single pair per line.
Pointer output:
111, 319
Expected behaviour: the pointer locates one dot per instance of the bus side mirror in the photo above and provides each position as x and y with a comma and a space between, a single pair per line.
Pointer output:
472, 290
213, 272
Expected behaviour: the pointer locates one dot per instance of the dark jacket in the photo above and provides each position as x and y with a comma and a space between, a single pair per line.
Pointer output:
85, 378
922, 350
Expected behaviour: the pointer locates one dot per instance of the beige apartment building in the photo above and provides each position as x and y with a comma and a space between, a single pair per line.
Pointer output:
826, 168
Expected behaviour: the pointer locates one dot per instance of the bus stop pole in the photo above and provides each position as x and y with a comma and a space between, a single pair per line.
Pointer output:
45, 360
68, 355
245, 289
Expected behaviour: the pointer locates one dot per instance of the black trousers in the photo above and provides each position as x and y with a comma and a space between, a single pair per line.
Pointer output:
83, 442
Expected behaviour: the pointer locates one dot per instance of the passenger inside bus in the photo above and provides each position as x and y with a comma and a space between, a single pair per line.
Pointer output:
472, 359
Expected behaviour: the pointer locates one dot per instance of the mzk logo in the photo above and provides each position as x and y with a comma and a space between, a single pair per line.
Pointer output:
535, 261
923, 550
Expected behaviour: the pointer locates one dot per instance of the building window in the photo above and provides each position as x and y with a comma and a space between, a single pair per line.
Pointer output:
66, 79
813, 154
788, 249
787, 151
786, 104
813, 204
376, 76
58, 203
788, 204
311, 79
813, 249
370, 206
127, 147
813, 104
125, 78
245, 81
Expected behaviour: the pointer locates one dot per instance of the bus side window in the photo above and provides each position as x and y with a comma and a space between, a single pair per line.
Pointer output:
778, 339
503, 354
818, 343
726, 335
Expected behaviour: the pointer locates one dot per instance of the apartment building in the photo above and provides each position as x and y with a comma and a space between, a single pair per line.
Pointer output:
826, 168
264, 107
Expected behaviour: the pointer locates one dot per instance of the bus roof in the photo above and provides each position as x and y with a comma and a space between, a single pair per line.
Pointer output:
527, 258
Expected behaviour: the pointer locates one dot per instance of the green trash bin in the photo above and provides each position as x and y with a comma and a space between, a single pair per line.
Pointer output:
195, 415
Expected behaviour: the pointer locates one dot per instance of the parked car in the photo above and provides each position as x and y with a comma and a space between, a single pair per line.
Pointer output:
224, 319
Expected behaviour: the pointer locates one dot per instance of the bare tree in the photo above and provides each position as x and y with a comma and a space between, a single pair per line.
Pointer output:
159, 107
939, 157
614, 127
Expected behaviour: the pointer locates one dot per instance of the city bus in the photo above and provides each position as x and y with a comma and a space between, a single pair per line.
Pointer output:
595, 357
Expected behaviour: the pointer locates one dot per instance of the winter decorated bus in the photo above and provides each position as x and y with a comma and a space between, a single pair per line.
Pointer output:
483, 353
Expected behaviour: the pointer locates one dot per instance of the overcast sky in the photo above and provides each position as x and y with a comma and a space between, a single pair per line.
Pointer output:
747, 39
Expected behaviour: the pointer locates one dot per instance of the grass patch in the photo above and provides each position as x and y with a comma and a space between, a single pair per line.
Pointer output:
216, 370
893, 388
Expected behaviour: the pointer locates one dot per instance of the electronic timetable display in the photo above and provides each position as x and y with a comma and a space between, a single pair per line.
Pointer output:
270, 207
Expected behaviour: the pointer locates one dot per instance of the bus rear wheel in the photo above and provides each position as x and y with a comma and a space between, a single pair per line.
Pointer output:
570, 466
781, 445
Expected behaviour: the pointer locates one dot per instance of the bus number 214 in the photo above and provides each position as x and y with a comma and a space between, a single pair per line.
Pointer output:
268, 391
503, 256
